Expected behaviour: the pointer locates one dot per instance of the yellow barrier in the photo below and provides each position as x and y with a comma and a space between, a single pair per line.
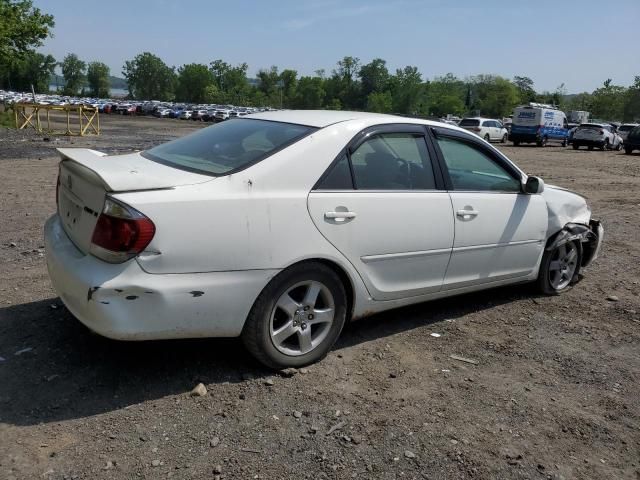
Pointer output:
28, 113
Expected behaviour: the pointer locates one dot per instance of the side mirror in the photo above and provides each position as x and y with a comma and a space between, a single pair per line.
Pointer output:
534, 185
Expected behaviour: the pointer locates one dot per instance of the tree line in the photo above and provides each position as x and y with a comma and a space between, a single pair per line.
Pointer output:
351, 85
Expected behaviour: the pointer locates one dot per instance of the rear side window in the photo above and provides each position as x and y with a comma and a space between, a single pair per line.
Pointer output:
393, 161
469, 122
387, 161
471, 169
228, 146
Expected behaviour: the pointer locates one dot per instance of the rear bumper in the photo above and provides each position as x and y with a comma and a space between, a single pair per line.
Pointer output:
123, 302
581, 142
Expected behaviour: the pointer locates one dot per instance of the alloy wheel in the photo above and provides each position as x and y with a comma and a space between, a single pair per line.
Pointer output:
563, 265
301, 318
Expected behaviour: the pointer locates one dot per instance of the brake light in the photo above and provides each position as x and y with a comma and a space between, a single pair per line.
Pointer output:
476, 129
121, 232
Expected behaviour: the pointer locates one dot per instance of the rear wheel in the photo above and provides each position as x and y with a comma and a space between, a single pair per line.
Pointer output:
542, 141
628, 150
559, 268
590, 147
605, 145
575, 146
516, 143
487, 137
297, 318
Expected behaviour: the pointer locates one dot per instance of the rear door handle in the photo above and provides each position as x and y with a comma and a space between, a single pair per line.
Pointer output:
467, 213
340, 216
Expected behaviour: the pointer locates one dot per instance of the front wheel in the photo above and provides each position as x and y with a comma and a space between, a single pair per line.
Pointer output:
516, 143
559, 268
542, 141
575, 146
628, 150
297, 317
504, 138
487, 138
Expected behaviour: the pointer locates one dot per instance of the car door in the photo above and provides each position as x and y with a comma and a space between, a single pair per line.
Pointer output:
383, 206
500, 231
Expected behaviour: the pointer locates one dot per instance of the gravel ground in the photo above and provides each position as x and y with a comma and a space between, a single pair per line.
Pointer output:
554, 393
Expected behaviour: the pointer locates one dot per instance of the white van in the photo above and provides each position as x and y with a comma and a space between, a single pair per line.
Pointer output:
538, 123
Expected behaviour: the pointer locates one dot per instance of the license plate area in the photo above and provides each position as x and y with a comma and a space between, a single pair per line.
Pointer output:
70, 211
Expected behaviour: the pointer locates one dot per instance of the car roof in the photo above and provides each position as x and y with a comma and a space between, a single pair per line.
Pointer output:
324, 118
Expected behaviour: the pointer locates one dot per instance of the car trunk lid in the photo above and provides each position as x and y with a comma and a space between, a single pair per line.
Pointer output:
86, 176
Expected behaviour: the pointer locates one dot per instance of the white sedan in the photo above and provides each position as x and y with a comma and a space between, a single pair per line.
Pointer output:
280, 226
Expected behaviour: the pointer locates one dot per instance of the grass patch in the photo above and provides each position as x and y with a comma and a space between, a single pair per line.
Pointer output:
7, 119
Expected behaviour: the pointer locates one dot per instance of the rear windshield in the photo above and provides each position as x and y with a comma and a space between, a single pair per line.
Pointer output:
592, 126
469, 122
626, 128
227, 147
635, 132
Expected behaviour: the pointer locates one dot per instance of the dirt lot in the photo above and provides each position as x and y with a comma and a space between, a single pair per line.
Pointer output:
555, 393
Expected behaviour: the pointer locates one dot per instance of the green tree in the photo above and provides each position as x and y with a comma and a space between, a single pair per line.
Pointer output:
269, 81
289, 83
149, 78
310, 93
408, 91
231, 81
98, 79
374, 77
22, 28
631, 109
380, 102
607, 102
494, 96
525, 89
446, 95
30, 69
73, 71
193, 80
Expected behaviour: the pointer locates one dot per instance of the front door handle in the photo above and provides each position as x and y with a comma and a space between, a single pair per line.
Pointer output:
467, 213
339, 216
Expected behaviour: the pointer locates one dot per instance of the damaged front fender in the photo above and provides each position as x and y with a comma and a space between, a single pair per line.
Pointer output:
590, 238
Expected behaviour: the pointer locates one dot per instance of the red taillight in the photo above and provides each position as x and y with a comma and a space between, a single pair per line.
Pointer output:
121, 232
476, 129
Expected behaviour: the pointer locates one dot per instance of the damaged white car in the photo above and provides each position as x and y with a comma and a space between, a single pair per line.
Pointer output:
281, 226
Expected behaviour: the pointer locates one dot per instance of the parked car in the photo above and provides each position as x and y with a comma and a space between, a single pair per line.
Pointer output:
198, 115
632, 141
624, 129
185, 114
162, 112
221, 233
120, 259
222, 114
598, 135
487, 128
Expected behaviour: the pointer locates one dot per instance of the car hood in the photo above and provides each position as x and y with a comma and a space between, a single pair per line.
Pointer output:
564, 206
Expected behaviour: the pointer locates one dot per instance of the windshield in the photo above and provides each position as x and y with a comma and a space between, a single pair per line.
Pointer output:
469, 122
626, 128
229, 146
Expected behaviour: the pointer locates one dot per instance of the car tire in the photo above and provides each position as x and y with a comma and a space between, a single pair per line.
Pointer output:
590, 147
516, 143
542, 141
559, 268
605, 145
575, 146
564, 143
628, 150
505, 137
283, 326
487, 138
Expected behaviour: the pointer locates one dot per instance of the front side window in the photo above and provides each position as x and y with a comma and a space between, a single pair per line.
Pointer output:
471, 169
229, 146
393, 161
